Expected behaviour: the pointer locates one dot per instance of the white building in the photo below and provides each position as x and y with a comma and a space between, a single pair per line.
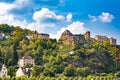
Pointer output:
25, 60
23, 72
4, 72
20, 72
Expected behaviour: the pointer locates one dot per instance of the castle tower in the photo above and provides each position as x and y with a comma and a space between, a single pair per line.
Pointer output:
87, 35
67, 38
112, 41
66, 34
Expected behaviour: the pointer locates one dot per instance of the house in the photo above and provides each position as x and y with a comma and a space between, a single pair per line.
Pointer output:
26, 60
4, 72
20, 72
23, 72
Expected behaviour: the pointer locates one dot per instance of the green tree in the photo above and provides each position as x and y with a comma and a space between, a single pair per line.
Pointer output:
69, 70
37, 70
49, 72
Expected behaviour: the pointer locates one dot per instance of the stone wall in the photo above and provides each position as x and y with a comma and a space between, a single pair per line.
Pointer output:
67, 38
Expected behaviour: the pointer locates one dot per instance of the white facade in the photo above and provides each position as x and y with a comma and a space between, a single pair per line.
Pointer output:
23, 72
3, 72
20, 72
25, 61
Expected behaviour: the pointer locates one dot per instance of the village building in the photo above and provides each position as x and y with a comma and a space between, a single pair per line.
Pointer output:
4, 72
20, 72
26, 60
23, 72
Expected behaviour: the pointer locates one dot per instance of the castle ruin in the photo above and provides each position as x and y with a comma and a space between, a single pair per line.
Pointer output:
67, 38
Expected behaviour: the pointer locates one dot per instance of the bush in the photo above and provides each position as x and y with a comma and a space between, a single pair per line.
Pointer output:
117, 74
103, 74
42, 78
69, 70
59, 78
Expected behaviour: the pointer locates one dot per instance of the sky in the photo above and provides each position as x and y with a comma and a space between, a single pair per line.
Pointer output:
100, 17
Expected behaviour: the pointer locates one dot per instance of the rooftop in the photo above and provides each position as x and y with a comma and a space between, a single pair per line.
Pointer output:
26, 57
67, 32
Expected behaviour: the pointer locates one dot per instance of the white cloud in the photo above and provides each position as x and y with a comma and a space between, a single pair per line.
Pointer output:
93, 18
9, 19
6, 18
46, 18
22, 2
5, 7
39, 26
75, 28
22, 24
45, 14
69, 17
43, 19
104, 17
40, 20
61, 1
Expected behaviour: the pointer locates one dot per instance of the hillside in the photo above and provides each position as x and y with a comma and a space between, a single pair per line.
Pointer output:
53, 59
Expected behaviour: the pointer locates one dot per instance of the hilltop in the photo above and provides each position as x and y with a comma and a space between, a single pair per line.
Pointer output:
72, 56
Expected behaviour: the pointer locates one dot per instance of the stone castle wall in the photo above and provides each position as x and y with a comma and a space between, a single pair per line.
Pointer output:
68, 38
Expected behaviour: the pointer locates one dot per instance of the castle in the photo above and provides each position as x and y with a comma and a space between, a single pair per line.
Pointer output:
67, 38
38, 35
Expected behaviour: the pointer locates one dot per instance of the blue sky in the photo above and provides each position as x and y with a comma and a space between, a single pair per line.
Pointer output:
101, 17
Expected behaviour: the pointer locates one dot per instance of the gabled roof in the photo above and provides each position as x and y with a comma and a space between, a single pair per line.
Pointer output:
43, 34
26, 57
67, 32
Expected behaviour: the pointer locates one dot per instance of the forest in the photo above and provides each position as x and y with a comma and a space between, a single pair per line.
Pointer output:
54, 60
